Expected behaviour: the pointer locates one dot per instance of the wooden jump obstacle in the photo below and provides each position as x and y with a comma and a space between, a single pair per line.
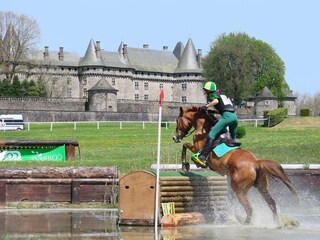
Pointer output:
197, 197
69, 146
51, 184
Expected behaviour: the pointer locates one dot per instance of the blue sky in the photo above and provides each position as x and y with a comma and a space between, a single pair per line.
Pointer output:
291, 27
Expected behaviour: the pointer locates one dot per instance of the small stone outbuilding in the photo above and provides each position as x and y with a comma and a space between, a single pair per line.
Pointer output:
264, 101
102, 97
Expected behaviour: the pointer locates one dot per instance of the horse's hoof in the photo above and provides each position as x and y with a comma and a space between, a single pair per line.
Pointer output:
186, 167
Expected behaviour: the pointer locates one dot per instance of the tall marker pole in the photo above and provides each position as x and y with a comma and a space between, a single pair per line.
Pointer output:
156, 207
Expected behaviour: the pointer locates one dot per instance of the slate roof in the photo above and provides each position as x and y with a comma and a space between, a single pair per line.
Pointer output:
181, 60
103, 85
144, 59
265, 94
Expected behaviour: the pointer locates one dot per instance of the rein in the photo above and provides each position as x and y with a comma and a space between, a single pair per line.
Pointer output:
190, 122
189, 133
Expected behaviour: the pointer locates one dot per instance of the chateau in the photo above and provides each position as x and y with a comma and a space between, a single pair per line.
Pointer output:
129, 73
120, 85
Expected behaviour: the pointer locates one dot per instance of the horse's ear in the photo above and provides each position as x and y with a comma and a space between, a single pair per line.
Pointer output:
195, 108
181, 111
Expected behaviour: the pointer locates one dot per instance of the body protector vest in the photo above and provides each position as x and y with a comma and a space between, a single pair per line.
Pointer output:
225, 104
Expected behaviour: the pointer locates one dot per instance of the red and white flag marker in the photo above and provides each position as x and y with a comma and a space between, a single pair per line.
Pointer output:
156, 213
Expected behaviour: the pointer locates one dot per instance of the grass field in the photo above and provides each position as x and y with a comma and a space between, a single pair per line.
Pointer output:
134, 146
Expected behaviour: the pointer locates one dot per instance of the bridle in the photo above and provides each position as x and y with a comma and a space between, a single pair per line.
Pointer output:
179, 134
187, 125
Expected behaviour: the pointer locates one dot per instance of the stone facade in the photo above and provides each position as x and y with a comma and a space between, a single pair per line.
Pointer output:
127, 81
134, 73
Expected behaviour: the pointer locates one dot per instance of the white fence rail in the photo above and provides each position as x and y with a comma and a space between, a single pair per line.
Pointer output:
121, 123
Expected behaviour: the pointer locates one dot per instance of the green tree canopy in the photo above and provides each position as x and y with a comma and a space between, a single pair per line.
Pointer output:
242, 66
22, 89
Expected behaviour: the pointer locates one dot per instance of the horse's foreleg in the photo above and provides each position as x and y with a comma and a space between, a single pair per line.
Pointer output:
186, 146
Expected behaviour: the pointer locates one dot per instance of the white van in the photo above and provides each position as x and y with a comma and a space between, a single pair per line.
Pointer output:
11, 122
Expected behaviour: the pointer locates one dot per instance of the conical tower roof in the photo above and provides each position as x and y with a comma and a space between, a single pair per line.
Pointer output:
188, 61
103, 85
265, 94
178, 50
90, 58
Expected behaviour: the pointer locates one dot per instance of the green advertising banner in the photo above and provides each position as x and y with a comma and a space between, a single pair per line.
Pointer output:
34, 154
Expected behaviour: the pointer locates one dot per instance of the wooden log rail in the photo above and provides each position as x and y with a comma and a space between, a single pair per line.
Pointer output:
196, 199
71, 184
70, 145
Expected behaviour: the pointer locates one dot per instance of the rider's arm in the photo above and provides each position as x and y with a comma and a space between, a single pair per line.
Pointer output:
212, 103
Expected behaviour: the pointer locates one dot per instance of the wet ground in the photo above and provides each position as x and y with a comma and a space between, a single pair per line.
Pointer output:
102, 224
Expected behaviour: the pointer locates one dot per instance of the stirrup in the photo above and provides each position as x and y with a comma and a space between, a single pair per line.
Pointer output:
197, 161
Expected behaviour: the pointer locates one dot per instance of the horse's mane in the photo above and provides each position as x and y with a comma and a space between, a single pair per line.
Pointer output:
198, 113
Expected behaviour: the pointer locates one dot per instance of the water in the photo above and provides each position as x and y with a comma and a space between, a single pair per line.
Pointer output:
102, 224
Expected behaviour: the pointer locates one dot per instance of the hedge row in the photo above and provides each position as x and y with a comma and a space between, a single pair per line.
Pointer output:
275, 116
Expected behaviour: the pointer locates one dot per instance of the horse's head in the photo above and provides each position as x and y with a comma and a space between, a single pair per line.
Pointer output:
185, 122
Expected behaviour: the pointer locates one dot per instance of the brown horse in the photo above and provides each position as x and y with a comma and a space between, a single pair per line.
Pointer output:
241, 167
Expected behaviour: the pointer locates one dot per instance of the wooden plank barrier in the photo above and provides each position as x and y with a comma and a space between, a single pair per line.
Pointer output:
197, 197
69, 184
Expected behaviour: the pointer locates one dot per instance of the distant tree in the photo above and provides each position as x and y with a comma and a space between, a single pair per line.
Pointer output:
22, 89
242, 66
15, 87
18, 35
309, 102
5, 87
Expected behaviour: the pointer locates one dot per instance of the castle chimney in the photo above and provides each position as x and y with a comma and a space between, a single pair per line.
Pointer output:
46, 53
125, 51
199, 57
61, 55
145, 45
98, 49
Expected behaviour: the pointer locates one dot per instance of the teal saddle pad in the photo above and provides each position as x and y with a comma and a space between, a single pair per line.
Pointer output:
222, 149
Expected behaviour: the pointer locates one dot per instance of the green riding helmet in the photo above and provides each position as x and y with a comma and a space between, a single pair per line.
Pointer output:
210, 86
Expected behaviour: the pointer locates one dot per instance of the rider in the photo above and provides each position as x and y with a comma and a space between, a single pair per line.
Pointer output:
225, 108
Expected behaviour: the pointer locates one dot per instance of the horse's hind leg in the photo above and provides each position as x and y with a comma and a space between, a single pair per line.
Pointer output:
263, 189
243, 199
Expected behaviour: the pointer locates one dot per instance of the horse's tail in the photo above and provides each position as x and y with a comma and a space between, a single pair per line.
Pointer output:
275, 170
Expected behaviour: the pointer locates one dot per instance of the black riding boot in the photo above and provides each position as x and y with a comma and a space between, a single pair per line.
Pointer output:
206, 150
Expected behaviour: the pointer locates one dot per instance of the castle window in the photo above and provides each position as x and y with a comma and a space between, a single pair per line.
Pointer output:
184, 87
146, 97
146, 86
161, 85
136, 97
85, 92
69, 92
69, 81
184, 99
113, 82
136, 85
